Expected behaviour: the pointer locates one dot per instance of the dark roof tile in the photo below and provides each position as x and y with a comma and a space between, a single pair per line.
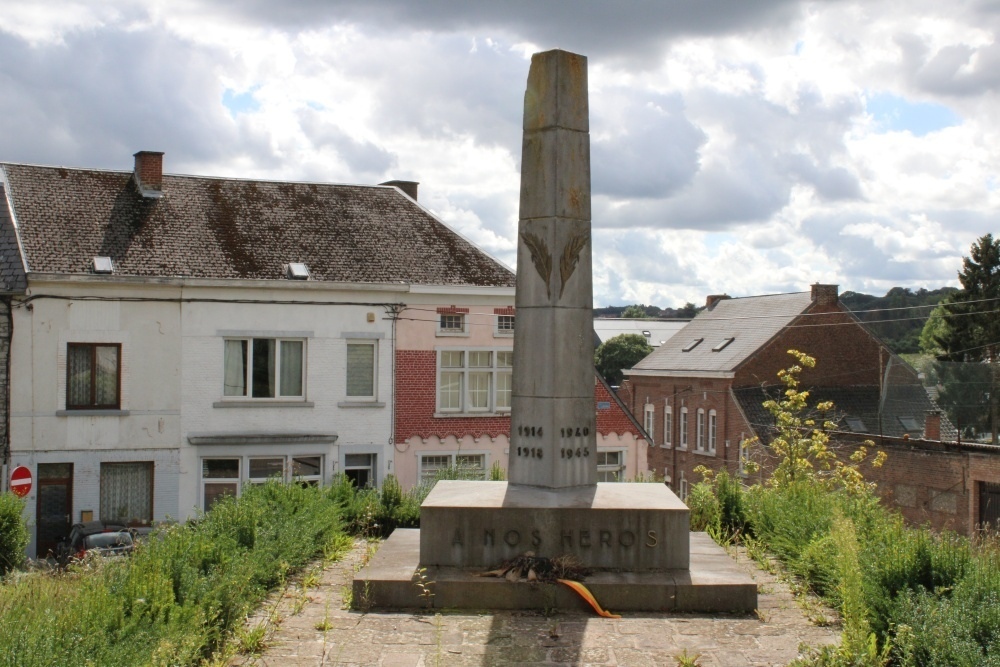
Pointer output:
233, 228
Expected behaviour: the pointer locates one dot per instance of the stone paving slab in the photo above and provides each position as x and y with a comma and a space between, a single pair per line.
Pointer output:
314, 628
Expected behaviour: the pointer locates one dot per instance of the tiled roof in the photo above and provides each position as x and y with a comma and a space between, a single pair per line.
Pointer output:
233, 228
749, 321
850, 404
12, 277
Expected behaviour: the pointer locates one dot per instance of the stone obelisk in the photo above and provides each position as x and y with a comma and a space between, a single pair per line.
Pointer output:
553, 430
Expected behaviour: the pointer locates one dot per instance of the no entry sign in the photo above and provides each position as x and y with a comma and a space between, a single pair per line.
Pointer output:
20, 481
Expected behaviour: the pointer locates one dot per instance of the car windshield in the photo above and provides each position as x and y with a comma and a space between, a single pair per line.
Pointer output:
104, 540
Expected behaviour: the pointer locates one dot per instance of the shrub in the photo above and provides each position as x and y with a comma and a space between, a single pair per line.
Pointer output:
705, 508
176, 598
13, 533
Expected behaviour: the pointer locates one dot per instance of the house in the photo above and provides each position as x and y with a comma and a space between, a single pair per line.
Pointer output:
453, 389
700, 394
173, 338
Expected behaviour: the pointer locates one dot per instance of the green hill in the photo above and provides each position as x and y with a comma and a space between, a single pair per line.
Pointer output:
897, 318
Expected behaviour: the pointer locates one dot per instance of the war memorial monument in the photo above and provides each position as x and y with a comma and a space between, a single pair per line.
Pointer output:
633, 537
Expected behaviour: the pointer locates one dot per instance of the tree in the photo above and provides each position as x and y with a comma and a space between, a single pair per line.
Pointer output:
972, 334
635, 311
623, 351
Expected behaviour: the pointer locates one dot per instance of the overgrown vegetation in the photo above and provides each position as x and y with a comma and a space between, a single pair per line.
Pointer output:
13, 533
174, 601
908, 597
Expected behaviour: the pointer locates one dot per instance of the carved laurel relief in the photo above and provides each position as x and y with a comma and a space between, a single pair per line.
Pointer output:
541, 258
570, 258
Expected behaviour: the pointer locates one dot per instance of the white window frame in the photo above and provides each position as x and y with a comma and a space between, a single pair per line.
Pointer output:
668, 426
374, 370
237, 481
372, 467
683, 488
495, 374
684, 429
501, 332
713, 431
450, 459
453, 331
248, 369
699, 442
617, 469
649, 421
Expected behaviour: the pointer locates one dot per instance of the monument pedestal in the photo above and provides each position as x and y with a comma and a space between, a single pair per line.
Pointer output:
610, 526
634, 537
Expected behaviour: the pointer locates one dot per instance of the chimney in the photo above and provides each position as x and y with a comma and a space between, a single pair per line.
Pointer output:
825, 295
409, 188
713, 299
149, 173
932, 425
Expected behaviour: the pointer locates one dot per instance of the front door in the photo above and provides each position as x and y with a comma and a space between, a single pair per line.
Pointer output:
55, 506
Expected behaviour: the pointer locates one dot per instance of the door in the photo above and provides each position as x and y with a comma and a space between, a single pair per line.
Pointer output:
989, 506
54, 510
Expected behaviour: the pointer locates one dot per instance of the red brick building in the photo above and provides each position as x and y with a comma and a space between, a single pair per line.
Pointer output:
700, 395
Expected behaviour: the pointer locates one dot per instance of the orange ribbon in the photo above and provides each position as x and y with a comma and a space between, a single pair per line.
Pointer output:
582, 591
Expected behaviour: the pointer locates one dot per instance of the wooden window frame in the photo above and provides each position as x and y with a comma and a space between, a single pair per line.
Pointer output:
93, 377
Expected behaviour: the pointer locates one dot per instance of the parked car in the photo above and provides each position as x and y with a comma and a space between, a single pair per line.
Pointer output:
107, 539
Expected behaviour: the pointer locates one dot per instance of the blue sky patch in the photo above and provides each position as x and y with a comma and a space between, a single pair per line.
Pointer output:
897, 114
238, 103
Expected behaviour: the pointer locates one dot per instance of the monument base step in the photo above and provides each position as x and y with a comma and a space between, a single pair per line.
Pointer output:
712, 584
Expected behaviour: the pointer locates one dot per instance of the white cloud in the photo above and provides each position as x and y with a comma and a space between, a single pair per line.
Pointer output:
731, 147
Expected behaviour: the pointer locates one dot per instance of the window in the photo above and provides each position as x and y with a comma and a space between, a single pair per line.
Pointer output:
451, 323
361, 360
700, 431
127, 493
505, 325
693, 344
713, 431
219, 478
668, 425
855, 424
648, 422
610, 466
93, 376
472, 381
465, 466
360, 469
684, 428
264, 367
721, 346
684, 488
910, 424
225, 476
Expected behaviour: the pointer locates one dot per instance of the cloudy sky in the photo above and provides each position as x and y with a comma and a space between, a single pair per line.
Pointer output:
739, 147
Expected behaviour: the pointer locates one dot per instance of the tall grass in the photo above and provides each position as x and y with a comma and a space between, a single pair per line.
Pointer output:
908, 596
175, 599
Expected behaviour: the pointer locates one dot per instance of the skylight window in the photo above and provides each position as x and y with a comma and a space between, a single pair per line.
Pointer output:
693, 344
910, 424
103, 265
856, 425
721, 346
298, 271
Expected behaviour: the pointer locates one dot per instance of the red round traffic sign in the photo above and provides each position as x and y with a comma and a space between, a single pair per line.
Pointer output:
20, 481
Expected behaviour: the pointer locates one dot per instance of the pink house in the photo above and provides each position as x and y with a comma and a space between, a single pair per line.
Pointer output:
453, 389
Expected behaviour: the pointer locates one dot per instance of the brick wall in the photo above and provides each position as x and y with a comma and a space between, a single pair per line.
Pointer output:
416, 383
846, 353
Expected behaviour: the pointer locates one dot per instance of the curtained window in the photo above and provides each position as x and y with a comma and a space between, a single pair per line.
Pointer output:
93, 376
361, 370
264, 368
127, 493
